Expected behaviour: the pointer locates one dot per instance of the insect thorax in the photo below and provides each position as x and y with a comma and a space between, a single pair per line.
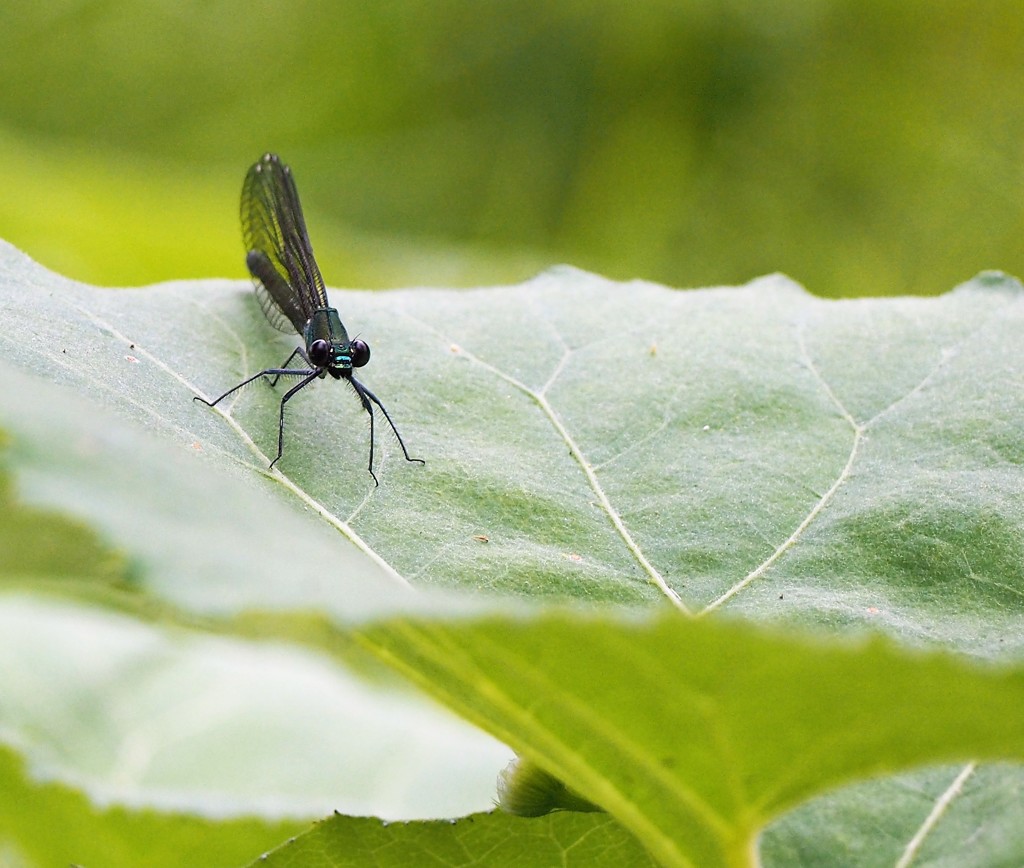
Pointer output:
326, 325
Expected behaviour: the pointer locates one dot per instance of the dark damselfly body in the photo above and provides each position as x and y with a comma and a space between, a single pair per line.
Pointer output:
292, 294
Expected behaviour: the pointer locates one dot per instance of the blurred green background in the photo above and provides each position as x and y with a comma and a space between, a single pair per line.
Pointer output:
862, 147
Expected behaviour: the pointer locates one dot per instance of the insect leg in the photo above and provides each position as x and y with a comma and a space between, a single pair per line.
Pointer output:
277, 372
312, 375
368, 407
298, 351
366, 395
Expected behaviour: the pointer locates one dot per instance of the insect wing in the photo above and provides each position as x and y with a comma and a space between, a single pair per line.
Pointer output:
279, 255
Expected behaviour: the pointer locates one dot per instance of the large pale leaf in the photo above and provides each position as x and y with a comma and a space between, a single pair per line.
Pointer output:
145, 715
841, 466
610, 441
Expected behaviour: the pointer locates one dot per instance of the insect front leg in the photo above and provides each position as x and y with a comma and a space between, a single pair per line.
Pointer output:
365, 394
362, 392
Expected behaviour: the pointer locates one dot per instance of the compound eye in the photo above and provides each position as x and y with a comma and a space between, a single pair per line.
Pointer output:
320, 353
360, 353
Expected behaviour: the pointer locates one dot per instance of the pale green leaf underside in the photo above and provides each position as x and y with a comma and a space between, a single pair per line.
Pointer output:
754, 450
751, 441
144, 714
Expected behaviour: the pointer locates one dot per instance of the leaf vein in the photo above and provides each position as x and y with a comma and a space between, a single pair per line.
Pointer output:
823, 501
940, 807
516, 721
337, 523
589, 473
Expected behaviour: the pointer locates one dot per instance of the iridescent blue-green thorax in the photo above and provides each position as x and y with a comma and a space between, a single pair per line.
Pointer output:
325, 325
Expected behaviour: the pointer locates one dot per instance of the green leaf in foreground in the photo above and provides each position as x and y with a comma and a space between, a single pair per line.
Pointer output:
494, 839
696, 734
49, 824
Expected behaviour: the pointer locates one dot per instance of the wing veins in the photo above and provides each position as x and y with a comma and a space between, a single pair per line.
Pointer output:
278, 251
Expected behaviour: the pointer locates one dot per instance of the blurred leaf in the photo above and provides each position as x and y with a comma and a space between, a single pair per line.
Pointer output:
694, 734
48, 824
141, 714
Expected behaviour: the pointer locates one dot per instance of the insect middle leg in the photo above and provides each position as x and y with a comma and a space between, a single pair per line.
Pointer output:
312, 375
298, 351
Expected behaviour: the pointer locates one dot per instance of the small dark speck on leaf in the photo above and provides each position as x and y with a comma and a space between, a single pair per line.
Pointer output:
131, 346
780, 596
